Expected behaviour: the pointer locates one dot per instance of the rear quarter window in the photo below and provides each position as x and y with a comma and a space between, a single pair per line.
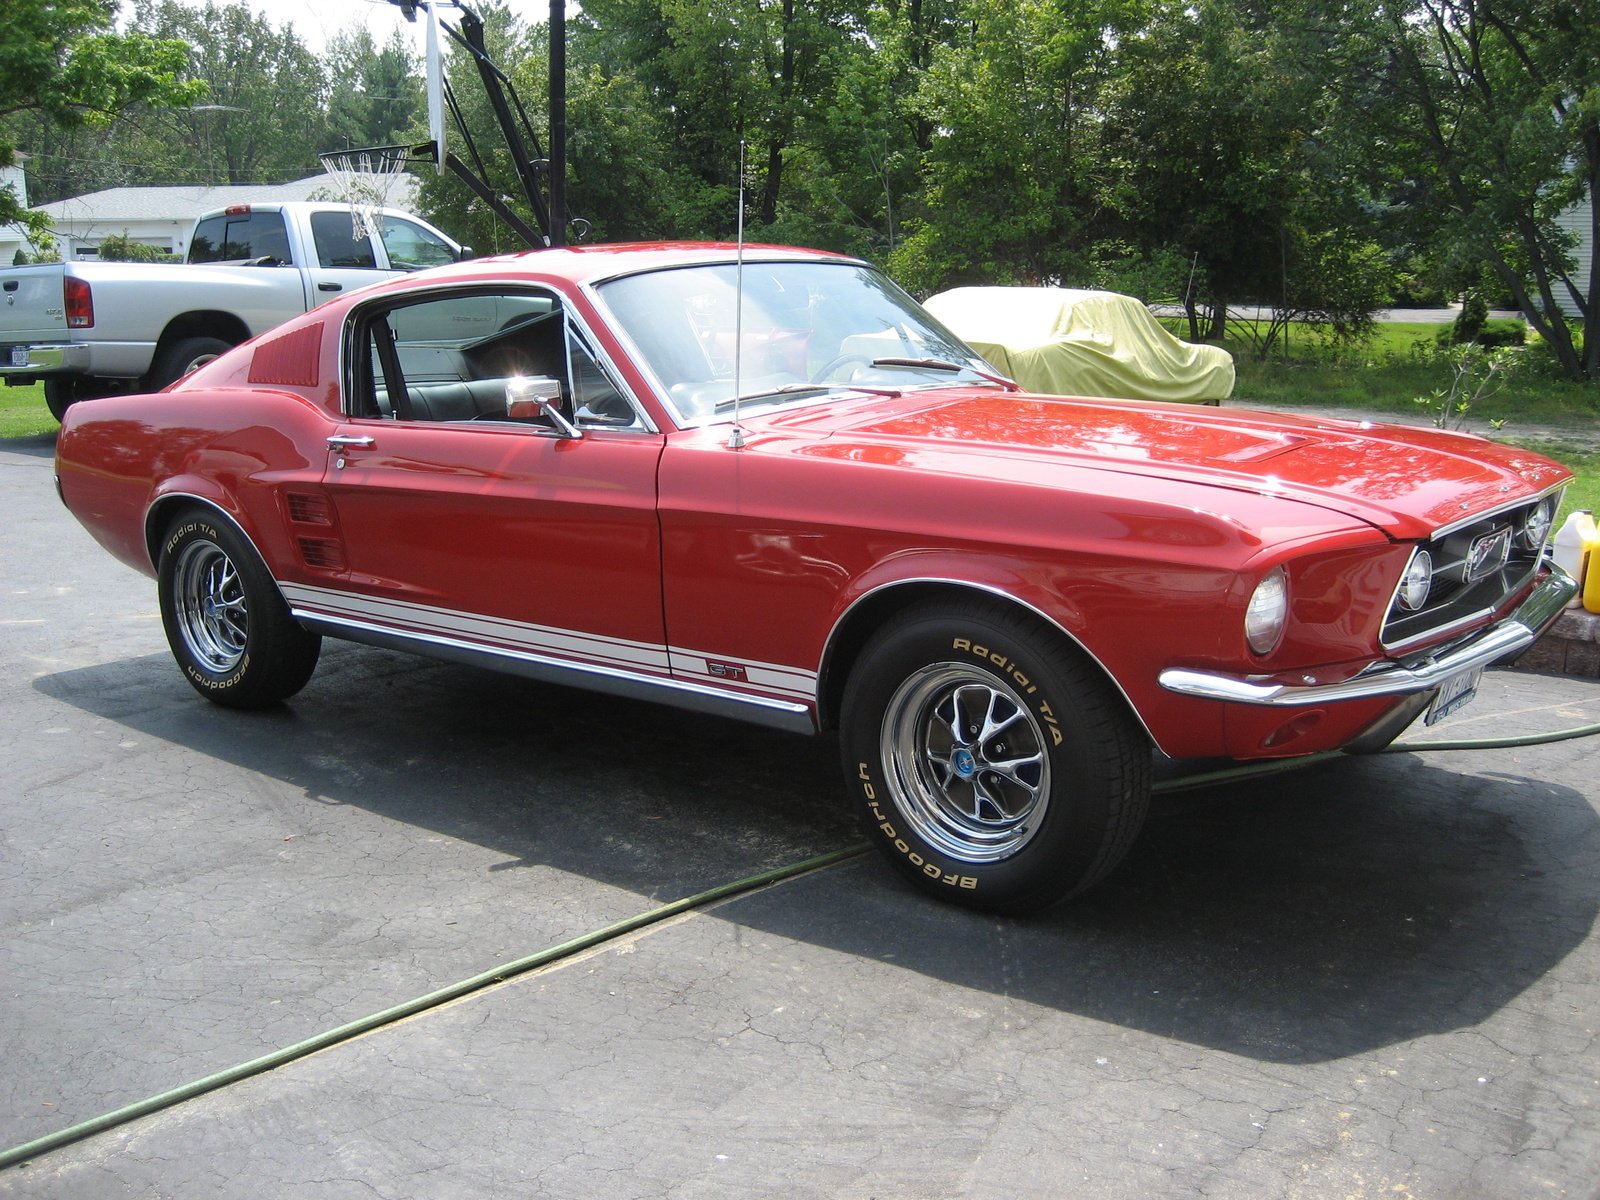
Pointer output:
240, 237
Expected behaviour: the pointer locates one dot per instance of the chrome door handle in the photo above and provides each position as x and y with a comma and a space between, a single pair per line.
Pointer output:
351, 443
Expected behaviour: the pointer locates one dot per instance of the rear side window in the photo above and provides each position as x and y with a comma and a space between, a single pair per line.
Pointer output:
337, 245
240, 237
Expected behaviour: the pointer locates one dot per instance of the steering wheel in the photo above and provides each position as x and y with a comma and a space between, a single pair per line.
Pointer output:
832, 365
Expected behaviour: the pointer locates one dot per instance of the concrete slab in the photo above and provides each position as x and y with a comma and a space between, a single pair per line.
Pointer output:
1375, 977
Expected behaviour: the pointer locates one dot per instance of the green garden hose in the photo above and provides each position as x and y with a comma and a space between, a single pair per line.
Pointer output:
53, 1141
278, 1058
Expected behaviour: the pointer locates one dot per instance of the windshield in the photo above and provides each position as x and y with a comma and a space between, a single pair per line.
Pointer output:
807, 329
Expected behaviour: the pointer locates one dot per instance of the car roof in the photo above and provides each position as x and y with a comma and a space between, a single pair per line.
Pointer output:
594, 264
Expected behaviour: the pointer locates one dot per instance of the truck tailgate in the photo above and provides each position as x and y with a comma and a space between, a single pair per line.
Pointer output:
31, 306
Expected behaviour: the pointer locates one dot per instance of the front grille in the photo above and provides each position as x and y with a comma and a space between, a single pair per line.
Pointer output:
1476, 566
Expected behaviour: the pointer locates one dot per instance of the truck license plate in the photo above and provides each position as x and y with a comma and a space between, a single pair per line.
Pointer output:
19, 356
1453, 696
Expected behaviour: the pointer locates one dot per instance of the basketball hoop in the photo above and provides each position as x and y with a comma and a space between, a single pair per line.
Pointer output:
363, 179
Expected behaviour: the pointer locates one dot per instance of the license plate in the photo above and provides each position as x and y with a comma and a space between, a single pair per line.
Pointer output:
1453, 696
19, 356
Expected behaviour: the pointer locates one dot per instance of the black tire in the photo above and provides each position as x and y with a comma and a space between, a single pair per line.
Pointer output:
60, 394
994, 764
226, 621
178, 359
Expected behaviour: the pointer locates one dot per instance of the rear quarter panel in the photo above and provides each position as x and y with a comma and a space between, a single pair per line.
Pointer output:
120, 458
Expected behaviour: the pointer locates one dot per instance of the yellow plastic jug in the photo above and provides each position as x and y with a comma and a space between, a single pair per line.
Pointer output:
1591, 575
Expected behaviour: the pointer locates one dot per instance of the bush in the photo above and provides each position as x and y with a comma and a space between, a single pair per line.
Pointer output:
1502, 331
121, 248
1469, 321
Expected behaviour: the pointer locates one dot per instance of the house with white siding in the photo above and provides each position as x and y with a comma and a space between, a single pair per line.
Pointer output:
12, 238
1578, 222
163, 216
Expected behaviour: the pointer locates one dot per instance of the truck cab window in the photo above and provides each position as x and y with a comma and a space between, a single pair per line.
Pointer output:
337, 245
240, 238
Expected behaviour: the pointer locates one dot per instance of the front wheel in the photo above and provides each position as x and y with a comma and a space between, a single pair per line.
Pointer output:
229, 628
994, 765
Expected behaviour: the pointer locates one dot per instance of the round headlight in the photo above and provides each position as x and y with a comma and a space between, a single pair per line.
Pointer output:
1537, 527
1268, 612
1415, 582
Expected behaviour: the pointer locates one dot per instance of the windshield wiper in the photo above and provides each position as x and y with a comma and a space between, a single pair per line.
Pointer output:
942, 364
790, 389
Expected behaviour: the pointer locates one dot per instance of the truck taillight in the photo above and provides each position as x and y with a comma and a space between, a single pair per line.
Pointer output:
80, 303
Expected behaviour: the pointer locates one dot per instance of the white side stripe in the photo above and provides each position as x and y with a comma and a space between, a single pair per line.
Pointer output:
404, 616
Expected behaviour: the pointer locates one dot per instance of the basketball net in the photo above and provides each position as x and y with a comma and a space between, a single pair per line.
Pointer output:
363, 179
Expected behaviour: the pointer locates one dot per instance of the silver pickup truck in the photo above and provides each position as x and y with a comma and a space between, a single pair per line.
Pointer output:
88, 329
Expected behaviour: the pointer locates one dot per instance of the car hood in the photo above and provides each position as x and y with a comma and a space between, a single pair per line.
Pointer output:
1404, 480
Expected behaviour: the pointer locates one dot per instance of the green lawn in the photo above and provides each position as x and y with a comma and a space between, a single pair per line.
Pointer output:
1386, 374
22, 412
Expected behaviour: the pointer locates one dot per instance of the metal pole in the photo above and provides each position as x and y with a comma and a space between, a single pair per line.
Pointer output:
558, 122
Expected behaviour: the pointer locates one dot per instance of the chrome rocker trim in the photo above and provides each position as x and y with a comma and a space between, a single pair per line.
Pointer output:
758, 710
1516, 633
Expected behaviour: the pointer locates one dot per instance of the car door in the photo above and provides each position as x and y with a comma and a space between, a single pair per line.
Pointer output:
524, 535
345, 257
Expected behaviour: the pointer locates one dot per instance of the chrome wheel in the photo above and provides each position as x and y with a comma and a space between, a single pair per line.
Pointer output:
967, 762
210, 606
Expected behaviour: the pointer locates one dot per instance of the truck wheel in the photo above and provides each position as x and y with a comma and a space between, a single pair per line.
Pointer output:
227, 623
60, 394
994, 765
180, 358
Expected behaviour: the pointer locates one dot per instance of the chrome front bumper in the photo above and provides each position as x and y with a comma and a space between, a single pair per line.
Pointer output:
1515, 633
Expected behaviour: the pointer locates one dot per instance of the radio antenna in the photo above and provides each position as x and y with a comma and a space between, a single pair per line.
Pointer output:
736, 437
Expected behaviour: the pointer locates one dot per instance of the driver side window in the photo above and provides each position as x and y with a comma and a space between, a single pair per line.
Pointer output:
449, 358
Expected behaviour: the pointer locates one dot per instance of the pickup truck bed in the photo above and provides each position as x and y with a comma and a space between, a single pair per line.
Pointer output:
88, 329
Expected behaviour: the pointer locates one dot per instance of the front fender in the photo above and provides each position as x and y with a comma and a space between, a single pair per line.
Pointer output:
1096, 613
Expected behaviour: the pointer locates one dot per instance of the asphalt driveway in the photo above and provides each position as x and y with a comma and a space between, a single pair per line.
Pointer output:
1373, 978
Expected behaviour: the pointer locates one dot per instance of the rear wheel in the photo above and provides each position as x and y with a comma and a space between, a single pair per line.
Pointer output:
180, 358
229, 628
995, 766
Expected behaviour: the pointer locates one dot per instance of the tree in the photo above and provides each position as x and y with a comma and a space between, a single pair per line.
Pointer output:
262, 119
853, 177
756, 71
60, 61
1507, 96
1229, 152
1012, 172
375, 98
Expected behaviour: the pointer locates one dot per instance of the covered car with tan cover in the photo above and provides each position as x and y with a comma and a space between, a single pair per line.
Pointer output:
1074, 342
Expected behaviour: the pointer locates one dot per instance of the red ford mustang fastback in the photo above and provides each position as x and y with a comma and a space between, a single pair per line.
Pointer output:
774, 488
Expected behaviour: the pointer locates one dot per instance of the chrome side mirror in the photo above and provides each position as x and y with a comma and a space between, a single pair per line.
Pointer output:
538, 397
